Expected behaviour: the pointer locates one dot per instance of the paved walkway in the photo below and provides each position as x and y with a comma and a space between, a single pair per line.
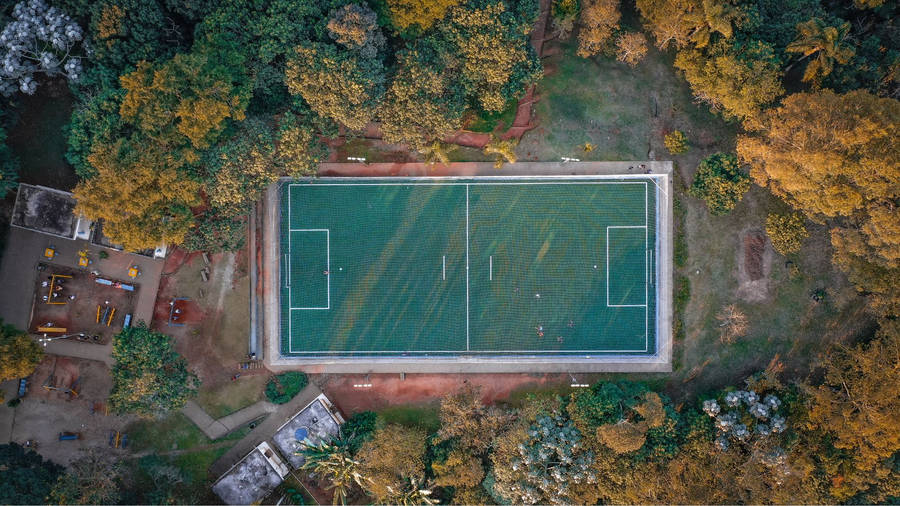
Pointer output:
265, 430
215, 429
78, 349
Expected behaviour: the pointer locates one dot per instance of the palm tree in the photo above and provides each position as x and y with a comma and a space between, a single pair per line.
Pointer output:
713, 16
414, 493
334, 462
828, 45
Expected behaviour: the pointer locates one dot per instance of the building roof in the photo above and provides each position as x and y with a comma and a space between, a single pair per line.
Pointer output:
317, 421
252, 478
45, 210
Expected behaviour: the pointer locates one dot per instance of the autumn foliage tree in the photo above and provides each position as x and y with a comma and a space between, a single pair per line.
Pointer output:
598, 21
720, 182
835, 157
394, 456
140, 195
631, 48
149, 376
19, 354
858, 403
418, 15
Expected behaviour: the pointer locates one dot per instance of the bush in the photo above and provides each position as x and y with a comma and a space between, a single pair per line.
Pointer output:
358, 429
786, 231
720, 182
283, 387
676, 142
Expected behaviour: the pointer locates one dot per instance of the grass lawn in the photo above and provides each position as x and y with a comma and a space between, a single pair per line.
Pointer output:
226, 398
425, 416
173, 432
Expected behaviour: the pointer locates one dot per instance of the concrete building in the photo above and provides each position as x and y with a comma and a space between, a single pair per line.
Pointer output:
253, 477
318, 421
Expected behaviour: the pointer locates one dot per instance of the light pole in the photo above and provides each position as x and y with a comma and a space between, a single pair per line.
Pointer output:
44, 340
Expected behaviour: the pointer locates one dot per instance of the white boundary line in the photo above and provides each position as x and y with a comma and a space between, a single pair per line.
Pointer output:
327, 266
491, 268
607, 268
487, 181
467, 267
444, 267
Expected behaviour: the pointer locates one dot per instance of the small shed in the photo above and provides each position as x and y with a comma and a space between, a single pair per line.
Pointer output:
253, 478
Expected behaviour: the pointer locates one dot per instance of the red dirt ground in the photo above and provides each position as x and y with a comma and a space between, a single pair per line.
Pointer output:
389, 389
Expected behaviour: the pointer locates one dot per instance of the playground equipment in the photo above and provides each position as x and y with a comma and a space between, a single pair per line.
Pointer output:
117, 439
50, 252
50, 384
83, 260
52, 330
23, 387
108, 314
176, 312
69, 436
55, 286
250, 364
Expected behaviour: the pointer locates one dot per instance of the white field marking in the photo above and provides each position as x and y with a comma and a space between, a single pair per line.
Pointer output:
607, 268
477, 183
494, 352
467, 267
444, 267
491, 268
327, 265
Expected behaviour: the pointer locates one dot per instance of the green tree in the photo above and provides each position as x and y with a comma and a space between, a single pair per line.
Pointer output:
149, 376
19, 354
356, 28
27, 478
358, 429
9, 167
786, 231
828, 45
738, 82
720, 182
215, 232
334, 462
89, 480
283, 387
299, 149
240, 168
488, 44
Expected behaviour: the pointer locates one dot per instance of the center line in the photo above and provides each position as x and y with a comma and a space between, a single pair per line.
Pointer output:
444, 267
491, 268
467, 267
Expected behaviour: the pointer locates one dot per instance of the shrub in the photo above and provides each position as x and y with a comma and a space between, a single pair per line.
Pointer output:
720, 182
283, 387
676, 142
786, 231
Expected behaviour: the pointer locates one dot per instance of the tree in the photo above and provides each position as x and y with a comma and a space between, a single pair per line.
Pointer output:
185, 102
149, 376
139, 193
19, 354
503, 149
423, 104
215, 233
461, 469
393, 456
786, 231
676, 142
720, 182
826, 43
89, 480
40, 40
337, 84
713, 16
564, 14
283, 387
355, 27
358, 429
241, 168
835, 157
857, 403
487, 44
598, 21
668, 20
737, 82
299, 149
9, 167
417, 16
27, 477
467, 420
542, 462
732, 323
334, 462
631, 47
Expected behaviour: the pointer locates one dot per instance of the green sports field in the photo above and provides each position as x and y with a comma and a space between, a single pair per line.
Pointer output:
483, 266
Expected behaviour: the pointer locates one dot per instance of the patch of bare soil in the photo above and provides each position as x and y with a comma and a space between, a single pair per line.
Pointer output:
754, 265
391, 389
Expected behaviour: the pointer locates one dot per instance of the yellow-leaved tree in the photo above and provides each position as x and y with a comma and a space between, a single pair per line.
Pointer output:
139, 194
418, 15
836, 157
598, 20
